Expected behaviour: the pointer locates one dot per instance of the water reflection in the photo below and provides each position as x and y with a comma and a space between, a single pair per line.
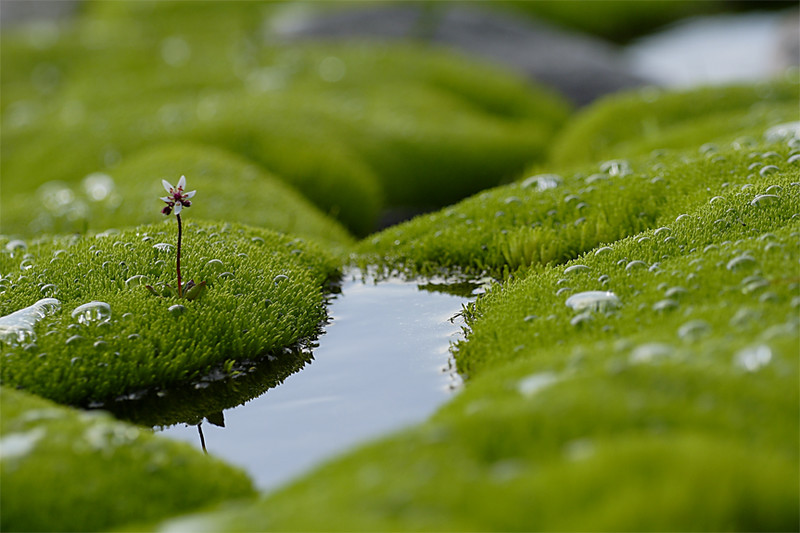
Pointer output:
382, 364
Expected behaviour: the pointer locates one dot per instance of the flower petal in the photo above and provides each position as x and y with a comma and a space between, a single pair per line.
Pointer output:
182, 182
167, 185
178, 208
165, 198
189, 194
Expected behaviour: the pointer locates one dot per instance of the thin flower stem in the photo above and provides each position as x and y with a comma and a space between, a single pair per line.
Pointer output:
180, 288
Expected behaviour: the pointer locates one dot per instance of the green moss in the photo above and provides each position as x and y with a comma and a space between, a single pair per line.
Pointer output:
634, 123
388, 125
229, 187
265, 293
674, 409
615, 20
67, 470
551, 218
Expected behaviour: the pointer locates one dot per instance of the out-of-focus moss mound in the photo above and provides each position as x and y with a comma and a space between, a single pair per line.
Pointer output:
67, 470
265, 292
353, 127
665, 399
616, 20
229, 187
554, 215
635, 123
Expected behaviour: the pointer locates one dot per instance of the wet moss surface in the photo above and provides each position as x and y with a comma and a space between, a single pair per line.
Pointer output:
70, 470
265, 292
632, 364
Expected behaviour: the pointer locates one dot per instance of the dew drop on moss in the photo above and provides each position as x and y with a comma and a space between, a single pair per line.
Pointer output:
594, 301
741, 262
542, 182
134, 281
764, 200
279, 278
753, 358
694, 330
163, 247
665, 305
214, 265
93, 311
577, 269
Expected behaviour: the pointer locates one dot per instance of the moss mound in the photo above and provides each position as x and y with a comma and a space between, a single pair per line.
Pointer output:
354, 128
231, 188
116, 473
635, 123
265, 292
552, 218
650, 384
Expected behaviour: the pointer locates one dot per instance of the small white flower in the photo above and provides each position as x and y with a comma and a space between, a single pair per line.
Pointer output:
177, 199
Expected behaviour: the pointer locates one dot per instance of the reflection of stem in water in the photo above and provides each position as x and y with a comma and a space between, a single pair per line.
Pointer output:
202, 438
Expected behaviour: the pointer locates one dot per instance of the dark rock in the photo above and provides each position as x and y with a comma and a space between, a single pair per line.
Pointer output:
580, 67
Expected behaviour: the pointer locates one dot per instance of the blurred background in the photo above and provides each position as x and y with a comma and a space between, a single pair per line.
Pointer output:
370, 111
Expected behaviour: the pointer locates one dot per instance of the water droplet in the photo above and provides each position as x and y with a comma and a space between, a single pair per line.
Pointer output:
650, 352
18, 327
134, 281
603, 250
257, 240
783, 132
93, 311
225, 275
753, 358
768, 170
280, 277
75, 339
582, 318
163, 247
741, 262
793, 159
542, 182
764, 199
49, 289
593, 301
665, 305
214, 265
16, 246
18, 445
616, 167
635, 264
177, 309
577, 269
530, 385
694, 330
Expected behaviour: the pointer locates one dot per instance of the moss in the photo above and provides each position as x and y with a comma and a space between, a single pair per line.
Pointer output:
230, 188
265, 293
675, 408
393, 125
115, 472
616, 20
552, 218
634, 123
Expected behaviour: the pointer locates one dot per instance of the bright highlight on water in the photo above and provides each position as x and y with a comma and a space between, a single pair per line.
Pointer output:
17, 328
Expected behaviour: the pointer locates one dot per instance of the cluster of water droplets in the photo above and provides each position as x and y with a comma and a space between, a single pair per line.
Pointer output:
18, 328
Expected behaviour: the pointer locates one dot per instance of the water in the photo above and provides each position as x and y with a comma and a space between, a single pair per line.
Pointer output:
710, 50
18, 327
382, 364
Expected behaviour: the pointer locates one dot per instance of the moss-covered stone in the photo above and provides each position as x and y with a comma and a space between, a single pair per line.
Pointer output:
70, 470
265, 292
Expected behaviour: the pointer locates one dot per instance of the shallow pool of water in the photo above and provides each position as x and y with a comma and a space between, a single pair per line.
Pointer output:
383, 363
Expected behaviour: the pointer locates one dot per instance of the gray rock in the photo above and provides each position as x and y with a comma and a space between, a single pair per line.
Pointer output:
17, 11
580, 67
